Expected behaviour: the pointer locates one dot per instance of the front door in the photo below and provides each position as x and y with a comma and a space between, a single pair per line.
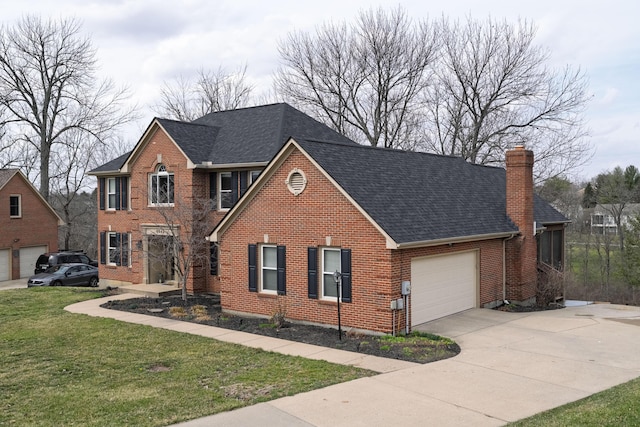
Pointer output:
161, 260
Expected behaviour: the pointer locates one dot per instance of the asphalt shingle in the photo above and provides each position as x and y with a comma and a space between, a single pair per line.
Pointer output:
418, 197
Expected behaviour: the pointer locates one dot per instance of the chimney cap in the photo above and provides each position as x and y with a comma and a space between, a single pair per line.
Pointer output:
519, 147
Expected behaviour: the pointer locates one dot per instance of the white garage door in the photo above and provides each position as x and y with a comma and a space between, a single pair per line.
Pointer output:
28, 258
5, 269
443, 285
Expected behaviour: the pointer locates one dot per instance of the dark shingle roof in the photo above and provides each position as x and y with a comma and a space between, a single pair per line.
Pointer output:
6, 175
196, 140
245, 135
256, 134
419, 197
113, 165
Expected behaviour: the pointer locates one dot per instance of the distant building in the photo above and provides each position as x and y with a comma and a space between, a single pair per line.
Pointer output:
603, 221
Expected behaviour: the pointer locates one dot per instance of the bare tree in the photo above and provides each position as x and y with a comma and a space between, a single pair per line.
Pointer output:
363, 79
182, 247
212, 91
49, 88
493, 90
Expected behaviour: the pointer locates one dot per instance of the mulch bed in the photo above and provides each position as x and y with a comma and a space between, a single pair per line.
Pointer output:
205, 309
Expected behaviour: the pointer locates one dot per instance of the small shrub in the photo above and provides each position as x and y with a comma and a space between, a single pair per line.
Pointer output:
279, 316
179, 312
200, 312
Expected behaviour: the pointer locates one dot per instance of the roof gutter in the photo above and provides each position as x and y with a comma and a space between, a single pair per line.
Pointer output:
211, 165
461, 239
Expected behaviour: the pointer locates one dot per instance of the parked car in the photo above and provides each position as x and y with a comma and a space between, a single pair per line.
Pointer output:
66, 275
64, 257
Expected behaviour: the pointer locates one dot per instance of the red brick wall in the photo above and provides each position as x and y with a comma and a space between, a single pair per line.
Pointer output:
521, 250
188, 183
38, 225
298, 222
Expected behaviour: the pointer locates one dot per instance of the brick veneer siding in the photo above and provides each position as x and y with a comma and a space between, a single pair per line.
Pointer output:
521, 250
299, 222
38, 226
189, 185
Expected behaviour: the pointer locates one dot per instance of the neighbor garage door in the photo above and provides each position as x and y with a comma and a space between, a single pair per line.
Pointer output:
28, 258
4, 264
443, 285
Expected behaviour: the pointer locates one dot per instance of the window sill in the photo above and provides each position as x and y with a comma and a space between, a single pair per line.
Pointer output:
162, 205
267, 295
328, 301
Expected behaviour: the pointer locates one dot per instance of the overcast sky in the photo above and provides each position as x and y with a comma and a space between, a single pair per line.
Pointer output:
143, 42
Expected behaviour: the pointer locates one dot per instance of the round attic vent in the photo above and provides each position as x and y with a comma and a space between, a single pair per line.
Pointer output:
296, 181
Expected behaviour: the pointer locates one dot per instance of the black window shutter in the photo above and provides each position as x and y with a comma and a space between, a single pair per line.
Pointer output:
101, 194
345, 263
234, 187
253, 270
103, 247
213, 185
213, 258
118, 183
282, 270
124, 248
119, 247
244, 180
124, 193
312, 272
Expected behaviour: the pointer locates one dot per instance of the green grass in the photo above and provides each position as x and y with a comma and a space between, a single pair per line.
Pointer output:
617, 406
59, 368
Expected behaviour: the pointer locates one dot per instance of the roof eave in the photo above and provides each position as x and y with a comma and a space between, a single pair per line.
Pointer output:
452, 240
212, 166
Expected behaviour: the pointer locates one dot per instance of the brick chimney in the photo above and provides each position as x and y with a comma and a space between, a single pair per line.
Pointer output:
521, 251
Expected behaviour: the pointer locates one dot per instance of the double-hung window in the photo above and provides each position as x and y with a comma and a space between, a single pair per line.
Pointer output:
330, 264
269, 267
322, 264
115, 248
111, 193
161, 186
15, 206
226, 190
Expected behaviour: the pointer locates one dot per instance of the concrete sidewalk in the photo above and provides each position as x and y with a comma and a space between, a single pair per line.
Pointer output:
512, 365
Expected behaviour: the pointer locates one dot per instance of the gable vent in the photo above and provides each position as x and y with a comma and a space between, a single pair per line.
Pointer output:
296, 181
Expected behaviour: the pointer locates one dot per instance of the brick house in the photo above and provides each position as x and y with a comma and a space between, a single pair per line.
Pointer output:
460, 235
178, 166
29, 225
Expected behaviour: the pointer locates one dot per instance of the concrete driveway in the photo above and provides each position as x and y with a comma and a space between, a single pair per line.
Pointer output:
512, 365
13, 284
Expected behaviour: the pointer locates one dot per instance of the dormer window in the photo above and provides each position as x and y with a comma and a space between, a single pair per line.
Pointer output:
161, 186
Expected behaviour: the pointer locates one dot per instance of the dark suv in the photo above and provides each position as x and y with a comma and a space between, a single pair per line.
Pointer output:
65, 257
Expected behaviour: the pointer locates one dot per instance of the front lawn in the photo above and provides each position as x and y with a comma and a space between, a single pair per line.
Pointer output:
617, 406
58, 368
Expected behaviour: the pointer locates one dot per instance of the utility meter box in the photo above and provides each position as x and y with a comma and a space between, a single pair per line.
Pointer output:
406, 287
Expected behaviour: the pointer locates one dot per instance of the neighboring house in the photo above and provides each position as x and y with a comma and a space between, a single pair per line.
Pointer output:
29, 225
176, 166
461, 235
603, 220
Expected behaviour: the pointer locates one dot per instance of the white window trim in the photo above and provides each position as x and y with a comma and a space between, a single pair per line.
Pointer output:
109, 247
263, 267
109, 193
19, 196
251, 172
324, 250
161, 170
221, 191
